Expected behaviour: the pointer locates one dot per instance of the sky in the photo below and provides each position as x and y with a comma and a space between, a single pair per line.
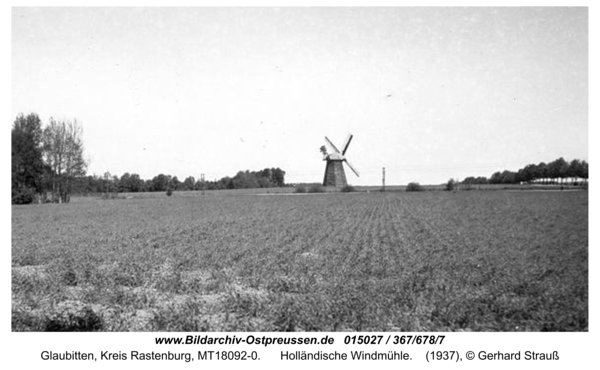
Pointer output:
428, 93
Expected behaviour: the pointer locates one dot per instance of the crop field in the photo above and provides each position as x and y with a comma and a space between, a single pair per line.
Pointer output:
423, 261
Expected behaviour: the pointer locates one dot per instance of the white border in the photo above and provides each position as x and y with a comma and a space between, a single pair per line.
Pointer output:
23, 349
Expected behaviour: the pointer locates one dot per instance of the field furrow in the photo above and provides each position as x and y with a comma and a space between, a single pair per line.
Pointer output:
425, 261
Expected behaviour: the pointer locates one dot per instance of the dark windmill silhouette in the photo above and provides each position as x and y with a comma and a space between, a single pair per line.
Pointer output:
334, 170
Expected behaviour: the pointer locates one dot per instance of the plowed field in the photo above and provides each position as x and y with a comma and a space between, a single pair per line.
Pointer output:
427, 261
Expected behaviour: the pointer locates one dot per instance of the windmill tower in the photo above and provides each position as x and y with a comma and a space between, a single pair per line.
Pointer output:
334, 171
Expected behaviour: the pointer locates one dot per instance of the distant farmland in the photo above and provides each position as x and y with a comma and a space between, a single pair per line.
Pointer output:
397, 261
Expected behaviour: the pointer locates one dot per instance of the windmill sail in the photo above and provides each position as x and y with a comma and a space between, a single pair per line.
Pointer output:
346, 144
331, 145
352, 168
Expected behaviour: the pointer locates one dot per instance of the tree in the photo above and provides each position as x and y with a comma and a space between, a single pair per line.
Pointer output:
130, 183
26, 154
469, 180
125, 183
563, 169
584, 170
278, 176
136, 184
92, 184
266, 174
63, 152
108, 183
542, 172
578, 168
451, 185
473, 180
558, 168
244, 180
189, 183
160, 182
574, 167
174, 183
225, 183
508, 177
496, 178
528, 173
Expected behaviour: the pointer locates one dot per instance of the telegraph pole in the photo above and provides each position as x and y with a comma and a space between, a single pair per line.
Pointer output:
383, 180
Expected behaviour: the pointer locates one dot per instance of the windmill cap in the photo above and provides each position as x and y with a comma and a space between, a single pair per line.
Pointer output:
335, 157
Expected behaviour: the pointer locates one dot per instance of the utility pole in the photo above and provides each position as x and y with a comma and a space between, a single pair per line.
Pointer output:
202, 180
383, 180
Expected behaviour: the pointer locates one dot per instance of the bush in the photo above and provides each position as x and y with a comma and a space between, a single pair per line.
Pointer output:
300, 189
414, 186
450, 185
348, 189
169, 192
316, 189
23, 195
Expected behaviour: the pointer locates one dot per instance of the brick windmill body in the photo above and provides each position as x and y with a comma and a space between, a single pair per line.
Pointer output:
334, 170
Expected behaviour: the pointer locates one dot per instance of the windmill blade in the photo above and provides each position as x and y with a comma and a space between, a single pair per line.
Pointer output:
352, 168
345, 146
331, 145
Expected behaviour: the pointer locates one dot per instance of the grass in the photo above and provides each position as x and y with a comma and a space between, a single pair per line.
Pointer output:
422, 261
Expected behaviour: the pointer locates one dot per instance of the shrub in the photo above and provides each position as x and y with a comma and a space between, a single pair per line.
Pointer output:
23, 195
450, 185
316, 189
348, 189
414, 186
300, 189
169, 192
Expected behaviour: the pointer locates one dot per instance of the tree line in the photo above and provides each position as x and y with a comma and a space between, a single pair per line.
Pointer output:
555, 172
133, 183
48, 166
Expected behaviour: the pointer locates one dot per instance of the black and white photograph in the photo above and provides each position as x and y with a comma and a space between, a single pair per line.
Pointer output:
299, 169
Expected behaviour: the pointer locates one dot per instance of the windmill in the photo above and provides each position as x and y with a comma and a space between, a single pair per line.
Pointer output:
334, 171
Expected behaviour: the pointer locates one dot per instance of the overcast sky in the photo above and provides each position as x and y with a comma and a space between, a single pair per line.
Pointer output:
429, 93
